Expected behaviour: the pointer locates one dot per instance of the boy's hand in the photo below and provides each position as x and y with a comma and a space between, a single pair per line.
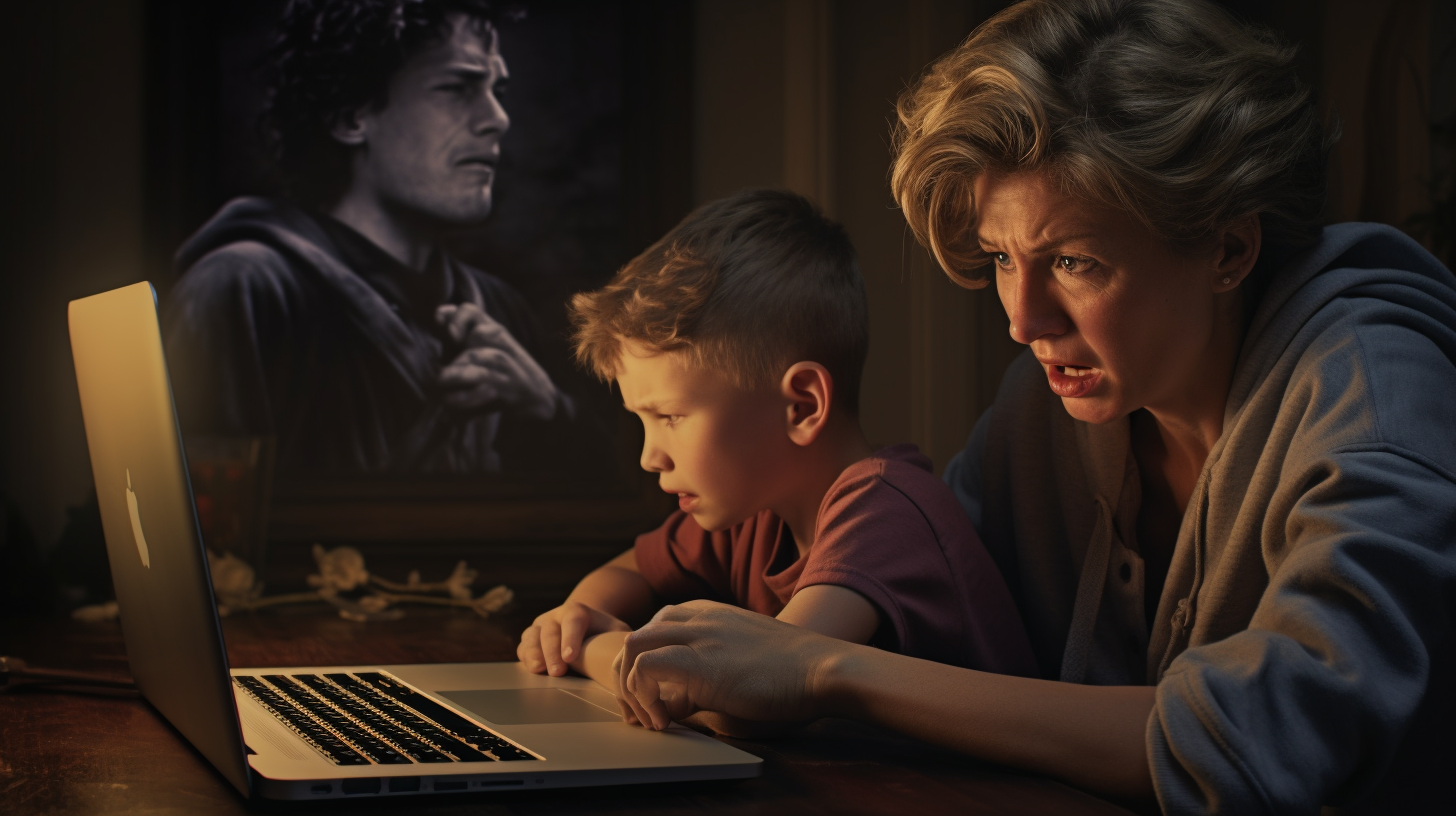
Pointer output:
554, 640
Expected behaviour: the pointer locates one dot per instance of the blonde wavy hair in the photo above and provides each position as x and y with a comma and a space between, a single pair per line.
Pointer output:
747, 285
1170, 110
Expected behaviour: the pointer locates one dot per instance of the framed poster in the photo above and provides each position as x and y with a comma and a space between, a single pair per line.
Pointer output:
372, 216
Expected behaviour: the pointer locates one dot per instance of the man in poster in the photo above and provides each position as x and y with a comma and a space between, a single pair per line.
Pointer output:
333, 319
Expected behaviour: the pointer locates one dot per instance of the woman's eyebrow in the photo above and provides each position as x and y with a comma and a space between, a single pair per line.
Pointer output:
1044, 246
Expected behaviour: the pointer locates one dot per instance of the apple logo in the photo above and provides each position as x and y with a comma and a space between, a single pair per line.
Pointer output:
136, 523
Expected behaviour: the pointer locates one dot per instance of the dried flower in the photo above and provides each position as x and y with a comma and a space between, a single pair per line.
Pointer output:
373, 603
340, 570
233, 581
459, 582
343, 582
492, 601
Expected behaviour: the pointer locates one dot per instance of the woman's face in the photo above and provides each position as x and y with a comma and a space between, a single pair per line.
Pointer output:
1118, 318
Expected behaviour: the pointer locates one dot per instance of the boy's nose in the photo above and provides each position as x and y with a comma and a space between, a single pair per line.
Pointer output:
654, 459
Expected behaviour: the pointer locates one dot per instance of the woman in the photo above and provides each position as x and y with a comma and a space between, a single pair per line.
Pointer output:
1221, 481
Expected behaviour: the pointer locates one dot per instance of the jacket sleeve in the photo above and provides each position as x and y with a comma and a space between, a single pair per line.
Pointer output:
1311, 702
963, 473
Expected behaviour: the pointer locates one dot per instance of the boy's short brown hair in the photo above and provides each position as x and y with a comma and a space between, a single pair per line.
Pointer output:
747, 285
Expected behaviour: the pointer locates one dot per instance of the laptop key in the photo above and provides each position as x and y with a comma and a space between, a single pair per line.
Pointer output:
358, 736
412, 739
300, 723
444, 739
407, 744
467, 731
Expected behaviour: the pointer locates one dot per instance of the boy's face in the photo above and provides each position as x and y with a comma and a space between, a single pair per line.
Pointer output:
723, 450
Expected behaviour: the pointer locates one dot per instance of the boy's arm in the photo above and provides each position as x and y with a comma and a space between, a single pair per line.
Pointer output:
618, 589
836, 611
597, 659
599, 603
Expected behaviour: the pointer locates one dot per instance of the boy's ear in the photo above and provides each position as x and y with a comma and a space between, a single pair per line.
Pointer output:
351, 128
809, 390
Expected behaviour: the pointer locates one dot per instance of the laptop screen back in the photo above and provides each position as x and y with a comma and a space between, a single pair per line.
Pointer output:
168, 615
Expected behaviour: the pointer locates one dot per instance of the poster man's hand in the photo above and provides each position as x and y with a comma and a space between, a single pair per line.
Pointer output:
493, 372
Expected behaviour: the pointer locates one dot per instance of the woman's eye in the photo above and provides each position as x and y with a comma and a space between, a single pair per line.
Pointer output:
1001, 258
1071, 263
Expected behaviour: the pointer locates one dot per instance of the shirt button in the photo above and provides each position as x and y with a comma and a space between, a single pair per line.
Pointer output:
1125, 572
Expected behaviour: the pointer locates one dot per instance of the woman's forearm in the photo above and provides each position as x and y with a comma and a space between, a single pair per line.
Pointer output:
1090, 736
705, 656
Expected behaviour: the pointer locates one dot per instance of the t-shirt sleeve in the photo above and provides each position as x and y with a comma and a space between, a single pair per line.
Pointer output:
898, 538
870, 541
683, 562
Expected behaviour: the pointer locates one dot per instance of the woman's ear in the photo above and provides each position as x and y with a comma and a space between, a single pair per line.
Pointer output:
1238, 247
809, 391
351, 128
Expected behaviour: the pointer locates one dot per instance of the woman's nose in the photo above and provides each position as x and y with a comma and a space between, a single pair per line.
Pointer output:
1034, 311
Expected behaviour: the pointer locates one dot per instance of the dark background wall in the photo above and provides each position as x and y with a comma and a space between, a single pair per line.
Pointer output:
796, 93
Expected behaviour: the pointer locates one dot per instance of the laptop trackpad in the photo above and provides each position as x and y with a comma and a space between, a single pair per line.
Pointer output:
527, 706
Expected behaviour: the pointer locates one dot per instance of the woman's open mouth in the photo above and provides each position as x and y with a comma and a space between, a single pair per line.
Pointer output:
1070, 381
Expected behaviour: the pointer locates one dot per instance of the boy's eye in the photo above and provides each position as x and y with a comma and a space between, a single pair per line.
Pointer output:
669, 419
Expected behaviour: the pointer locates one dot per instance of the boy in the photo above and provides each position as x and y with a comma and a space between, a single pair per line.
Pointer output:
739, 340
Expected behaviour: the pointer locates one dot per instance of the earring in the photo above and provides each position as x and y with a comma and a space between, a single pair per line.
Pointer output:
1227, 281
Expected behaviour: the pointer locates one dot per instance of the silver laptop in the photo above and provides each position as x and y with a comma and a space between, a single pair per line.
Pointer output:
318, 732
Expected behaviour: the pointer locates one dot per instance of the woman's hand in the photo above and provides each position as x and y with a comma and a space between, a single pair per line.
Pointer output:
706, 656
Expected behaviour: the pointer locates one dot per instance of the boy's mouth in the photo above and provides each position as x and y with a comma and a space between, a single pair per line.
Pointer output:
687, 502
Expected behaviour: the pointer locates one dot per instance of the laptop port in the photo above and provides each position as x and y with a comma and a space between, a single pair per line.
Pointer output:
442, 785
361, 785
404, 784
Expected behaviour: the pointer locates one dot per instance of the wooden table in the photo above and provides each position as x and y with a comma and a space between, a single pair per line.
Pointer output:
69, 753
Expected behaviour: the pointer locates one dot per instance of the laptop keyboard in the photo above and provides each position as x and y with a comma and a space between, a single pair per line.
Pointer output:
370, 718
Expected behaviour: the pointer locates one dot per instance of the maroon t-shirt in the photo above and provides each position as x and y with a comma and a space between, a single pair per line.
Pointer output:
887, 529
